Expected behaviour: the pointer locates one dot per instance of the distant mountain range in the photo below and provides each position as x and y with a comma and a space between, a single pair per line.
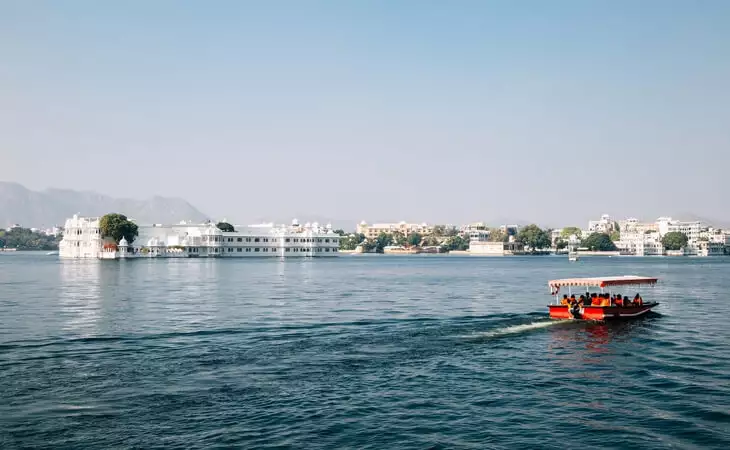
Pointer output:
53, 206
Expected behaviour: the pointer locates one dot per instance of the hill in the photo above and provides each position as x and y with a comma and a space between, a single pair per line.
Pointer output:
53, 206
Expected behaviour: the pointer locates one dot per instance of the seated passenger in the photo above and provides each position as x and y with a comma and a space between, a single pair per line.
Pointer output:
618, 301
584, 301
637, 300
606, 300
628, 302
564, 301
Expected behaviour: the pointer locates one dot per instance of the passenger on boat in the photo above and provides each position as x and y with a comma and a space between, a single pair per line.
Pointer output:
627, 302
584, 301
605, 300
637, 300
564, 301
618, 301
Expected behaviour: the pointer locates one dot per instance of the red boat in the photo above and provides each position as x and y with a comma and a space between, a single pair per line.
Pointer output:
600, 308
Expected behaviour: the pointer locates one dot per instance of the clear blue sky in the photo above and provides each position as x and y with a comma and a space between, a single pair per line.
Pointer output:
432, 111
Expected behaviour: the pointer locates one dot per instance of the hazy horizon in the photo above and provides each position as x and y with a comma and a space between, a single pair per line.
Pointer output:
553, 113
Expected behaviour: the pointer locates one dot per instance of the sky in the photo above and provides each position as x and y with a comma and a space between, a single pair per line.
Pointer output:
446, 112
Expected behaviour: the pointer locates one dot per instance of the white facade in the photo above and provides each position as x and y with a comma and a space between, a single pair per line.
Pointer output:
605, 225
707, 248
693, 230
478, 235
641, 243
82, 239
494, 248
644, 239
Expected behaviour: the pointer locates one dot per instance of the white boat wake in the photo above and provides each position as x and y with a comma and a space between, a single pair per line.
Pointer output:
513, 329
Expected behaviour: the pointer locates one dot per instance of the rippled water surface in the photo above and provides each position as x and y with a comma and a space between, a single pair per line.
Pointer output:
356, 352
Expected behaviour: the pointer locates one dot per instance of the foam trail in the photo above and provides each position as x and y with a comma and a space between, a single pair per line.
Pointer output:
514, 329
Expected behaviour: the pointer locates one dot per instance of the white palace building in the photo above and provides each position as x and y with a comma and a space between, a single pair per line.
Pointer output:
82, 239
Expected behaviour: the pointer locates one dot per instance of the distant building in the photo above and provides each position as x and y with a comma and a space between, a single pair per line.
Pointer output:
604, 225
510, 230
708, 248
372, 231
693, 230
83, 239
645, 239
495, 248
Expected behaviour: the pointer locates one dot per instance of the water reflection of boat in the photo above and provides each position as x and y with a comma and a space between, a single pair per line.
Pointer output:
599, 308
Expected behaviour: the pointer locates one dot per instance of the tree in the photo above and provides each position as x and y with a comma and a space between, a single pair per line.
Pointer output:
340, 231
383, 240
455, 243
116, 226
414, 239
351, 241
496, 235
399, 238
534, 237
567, 232
439, 230
225, 226
599, 242
25, 239
615, 235
432, 241
560, 244
674, 240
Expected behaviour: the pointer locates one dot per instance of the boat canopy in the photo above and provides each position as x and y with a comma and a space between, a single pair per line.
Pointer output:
603, 281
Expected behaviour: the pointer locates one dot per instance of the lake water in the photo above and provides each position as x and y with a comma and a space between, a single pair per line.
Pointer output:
356, 352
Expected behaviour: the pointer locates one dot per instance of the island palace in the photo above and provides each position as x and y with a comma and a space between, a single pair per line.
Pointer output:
82, 239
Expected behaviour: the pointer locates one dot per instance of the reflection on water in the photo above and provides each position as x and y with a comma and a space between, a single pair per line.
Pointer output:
79, 296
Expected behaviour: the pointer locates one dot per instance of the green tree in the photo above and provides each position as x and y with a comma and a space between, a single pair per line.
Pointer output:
560, 244
398, 239
534, 237
599, 242
455, 243
225, 226
674, 240
383, 240
497, 235
567, 232
414, 239
350, 242
116, 226
439, 230
25, 239
432, 240
615, 235
341, 232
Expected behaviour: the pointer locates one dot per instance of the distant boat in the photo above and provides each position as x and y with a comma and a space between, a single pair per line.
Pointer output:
52, 253
572, 256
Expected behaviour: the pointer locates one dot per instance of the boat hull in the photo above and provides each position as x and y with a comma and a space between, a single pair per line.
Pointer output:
601, 312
